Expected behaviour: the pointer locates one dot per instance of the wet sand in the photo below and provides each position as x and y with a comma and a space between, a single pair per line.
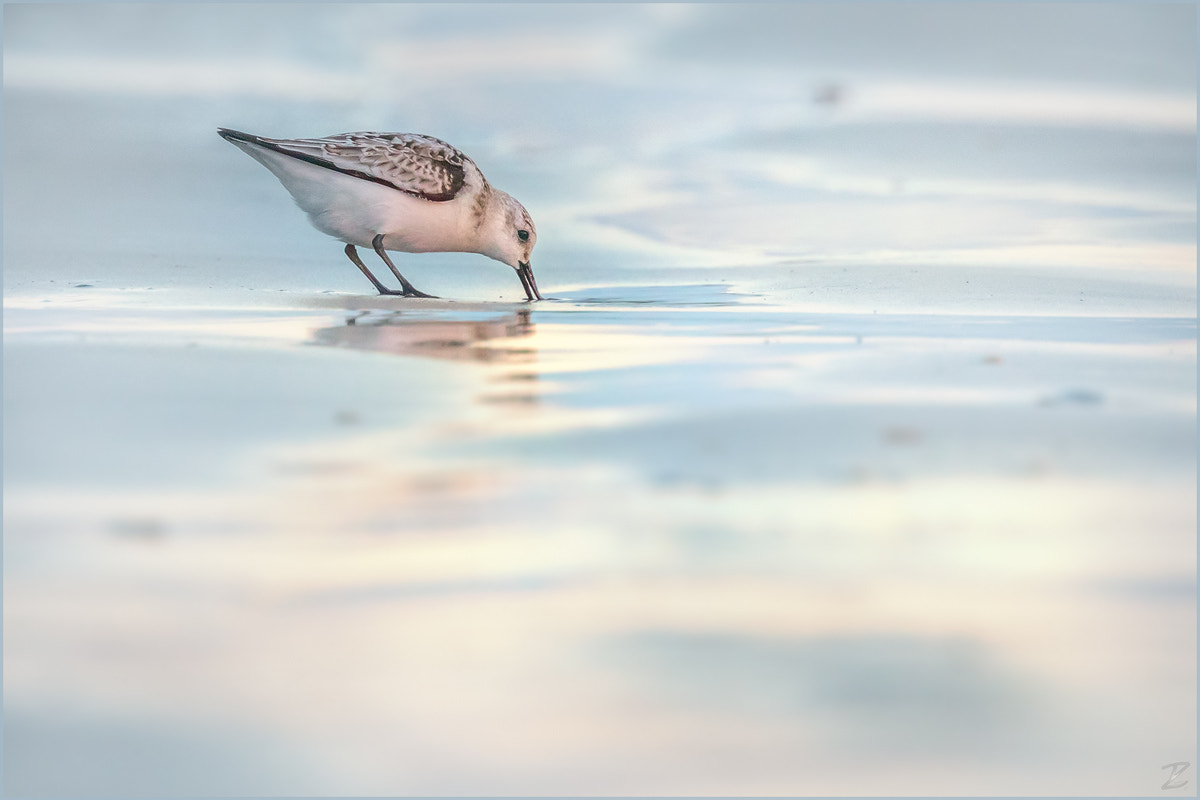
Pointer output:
854, 452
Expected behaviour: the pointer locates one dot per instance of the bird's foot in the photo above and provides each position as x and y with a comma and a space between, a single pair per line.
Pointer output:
410, 292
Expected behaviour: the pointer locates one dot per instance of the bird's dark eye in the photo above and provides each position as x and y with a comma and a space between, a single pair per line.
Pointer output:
523, 236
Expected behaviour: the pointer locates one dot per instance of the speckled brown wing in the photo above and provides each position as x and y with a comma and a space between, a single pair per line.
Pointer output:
419, 165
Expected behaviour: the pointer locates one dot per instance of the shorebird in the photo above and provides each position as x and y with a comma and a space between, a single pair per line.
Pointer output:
404, 192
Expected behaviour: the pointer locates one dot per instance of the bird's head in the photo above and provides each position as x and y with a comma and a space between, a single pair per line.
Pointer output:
509, 238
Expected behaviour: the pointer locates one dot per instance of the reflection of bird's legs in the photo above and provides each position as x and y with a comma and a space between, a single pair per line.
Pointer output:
409, 289
353, 255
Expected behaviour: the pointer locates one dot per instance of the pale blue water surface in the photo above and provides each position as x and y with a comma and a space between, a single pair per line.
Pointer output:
854, 453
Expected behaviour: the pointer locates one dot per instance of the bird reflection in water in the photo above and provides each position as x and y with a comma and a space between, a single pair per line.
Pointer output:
484, 340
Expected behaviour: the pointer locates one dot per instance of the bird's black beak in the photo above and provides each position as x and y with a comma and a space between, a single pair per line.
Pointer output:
525, 273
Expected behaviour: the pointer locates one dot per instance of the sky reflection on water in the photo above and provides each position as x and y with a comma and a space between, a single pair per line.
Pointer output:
854, 454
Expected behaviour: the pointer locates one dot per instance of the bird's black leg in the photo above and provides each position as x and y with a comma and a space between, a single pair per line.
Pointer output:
353, 255
409, 289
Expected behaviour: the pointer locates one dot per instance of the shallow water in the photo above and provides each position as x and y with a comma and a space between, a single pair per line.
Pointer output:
854, 452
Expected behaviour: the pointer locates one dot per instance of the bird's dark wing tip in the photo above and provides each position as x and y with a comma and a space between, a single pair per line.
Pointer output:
230, 135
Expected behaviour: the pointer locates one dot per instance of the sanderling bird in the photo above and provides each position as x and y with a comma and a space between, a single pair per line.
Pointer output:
398, 191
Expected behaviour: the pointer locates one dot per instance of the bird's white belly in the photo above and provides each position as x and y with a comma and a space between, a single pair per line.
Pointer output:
354, 210
363, 210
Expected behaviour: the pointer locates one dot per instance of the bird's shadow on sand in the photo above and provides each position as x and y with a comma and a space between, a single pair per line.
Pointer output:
664, 296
